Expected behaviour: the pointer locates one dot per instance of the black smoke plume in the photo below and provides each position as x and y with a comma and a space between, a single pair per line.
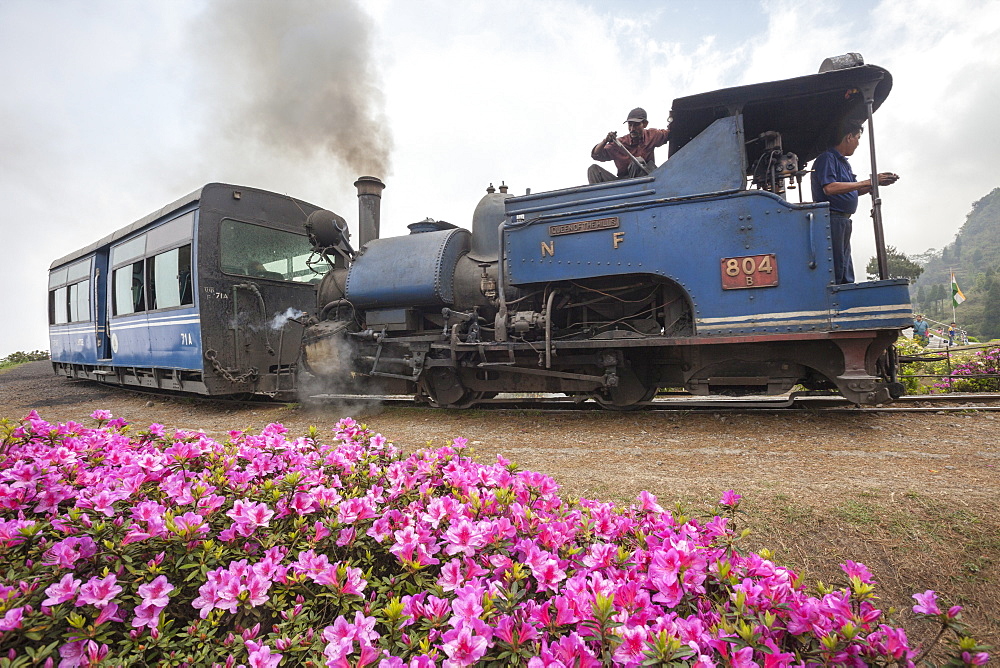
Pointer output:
297, 77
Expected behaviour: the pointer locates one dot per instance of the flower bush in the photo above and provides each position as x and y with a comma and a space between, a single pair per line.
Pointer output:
962, 378
138, 547
954, 374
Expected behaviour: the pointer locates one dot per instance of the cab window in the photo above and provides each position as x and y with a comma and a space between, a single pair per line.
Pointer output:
265, 253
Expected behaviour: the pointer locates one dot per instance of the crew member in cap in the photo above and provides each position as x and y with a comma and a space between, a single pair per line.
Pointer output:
640, 142
833, 181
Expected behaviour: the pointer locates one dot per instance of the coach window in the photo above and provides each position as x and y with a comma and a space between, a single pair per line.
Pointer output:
70, 303
169, 279
129, 293
78, 299
263, 252
170, 235
129, 290
57, 277
57, 307
130, 250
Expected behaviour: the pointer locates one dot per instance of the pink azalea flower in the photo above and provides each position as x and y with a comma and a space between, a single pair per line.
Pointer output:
895, 643
95, 652
515, 633
548, 574
190, 524
147, 615
249, 515
109, 613
464, 537
730, 499
854, 569
571, 650
98, 592
364, 628
926, 603
67, 552
340, 630
257, 587
72, 654
633, 645
261, 657
12, 619
649, 503
156, 592
462, 647
743, 658
64, 590
336, 651
977, 659
304, 503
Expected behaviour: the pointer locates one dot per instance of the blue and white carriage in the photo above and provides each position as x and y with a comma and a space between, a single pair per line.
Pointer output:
193, 297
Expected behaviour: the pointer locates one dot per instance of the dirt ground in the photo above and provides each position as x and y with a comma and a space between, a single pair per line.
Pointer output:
911, 495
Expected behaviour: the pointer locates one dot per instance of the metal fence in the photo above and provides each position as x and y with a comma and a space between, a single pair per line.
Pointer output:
945, 355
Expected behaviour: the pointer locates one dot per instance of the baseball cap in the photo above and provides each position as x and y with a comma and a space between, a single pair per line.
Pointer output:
637, 115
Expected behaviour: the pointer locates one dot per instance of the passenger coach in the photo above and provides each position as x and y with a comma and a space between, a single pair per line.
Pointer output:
201, 296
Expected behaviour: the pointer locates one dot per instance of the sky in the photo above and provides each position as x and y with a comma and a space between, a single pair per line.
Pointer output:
112, 108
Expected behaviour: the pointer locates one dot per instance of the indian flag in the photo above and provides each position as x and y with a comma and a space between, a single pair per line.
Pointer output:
956, 295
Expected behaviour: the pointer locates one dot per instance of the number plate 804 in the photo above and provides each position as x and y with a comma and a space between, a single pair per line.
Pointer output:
751, 271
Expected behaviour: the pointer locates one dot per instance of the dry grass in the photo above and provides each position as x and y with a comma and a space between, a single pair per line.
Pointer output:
910, 546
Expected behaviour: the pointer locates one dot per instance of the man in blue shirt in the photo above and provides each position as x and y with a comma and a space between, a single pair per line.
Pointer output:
834, 182
920, 327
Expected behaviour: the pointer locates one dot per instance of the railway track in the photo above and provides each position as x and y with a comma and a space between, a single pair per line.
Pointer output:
943, 403
685, 403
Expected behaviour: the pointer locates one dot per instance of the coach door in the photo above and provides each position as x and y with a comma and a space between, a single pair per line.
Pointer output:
100, 300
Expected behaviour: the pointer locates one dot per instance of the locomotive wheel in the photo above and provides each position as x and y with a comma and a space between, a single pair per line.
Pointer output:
444, 389
888, 369
628, 395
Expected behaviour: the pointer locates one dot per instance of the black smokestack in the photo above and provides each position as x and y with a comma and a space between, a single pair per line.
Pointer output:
369, 208
297, 78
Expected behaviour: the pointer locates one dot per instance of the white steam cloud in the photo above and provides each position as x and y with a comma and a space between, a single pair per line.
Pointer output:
280, 319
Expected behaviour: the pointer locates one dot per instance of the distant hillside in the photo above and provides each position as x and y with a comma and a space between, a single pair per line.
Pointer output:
974, 256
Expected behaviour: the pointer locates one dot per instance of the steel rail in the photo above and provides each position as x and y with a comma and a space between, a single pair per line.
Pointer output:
938, 403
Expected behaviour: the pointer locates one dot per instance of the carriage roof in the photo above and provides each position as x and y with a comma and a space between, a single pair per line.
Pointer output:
129, 229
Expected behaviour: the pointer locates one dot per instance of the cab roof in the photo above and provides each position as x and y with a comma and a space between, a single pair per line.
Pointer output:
806, 110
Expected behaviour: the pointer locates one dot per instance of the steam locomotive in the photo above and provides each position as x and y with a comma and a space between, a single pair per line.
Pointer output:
702, 274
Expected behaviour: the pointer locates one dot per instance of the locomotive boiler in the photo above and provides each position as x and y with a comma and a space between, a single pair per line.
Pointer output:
708, 274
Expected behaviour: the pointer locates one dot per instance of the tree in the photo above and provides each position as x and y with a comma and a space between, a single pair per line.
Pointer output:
938, 295
900, 266
991, 311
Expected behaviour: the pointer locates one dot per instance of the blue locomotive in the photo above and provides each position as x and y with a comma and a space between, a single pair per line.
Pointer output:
700, 275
